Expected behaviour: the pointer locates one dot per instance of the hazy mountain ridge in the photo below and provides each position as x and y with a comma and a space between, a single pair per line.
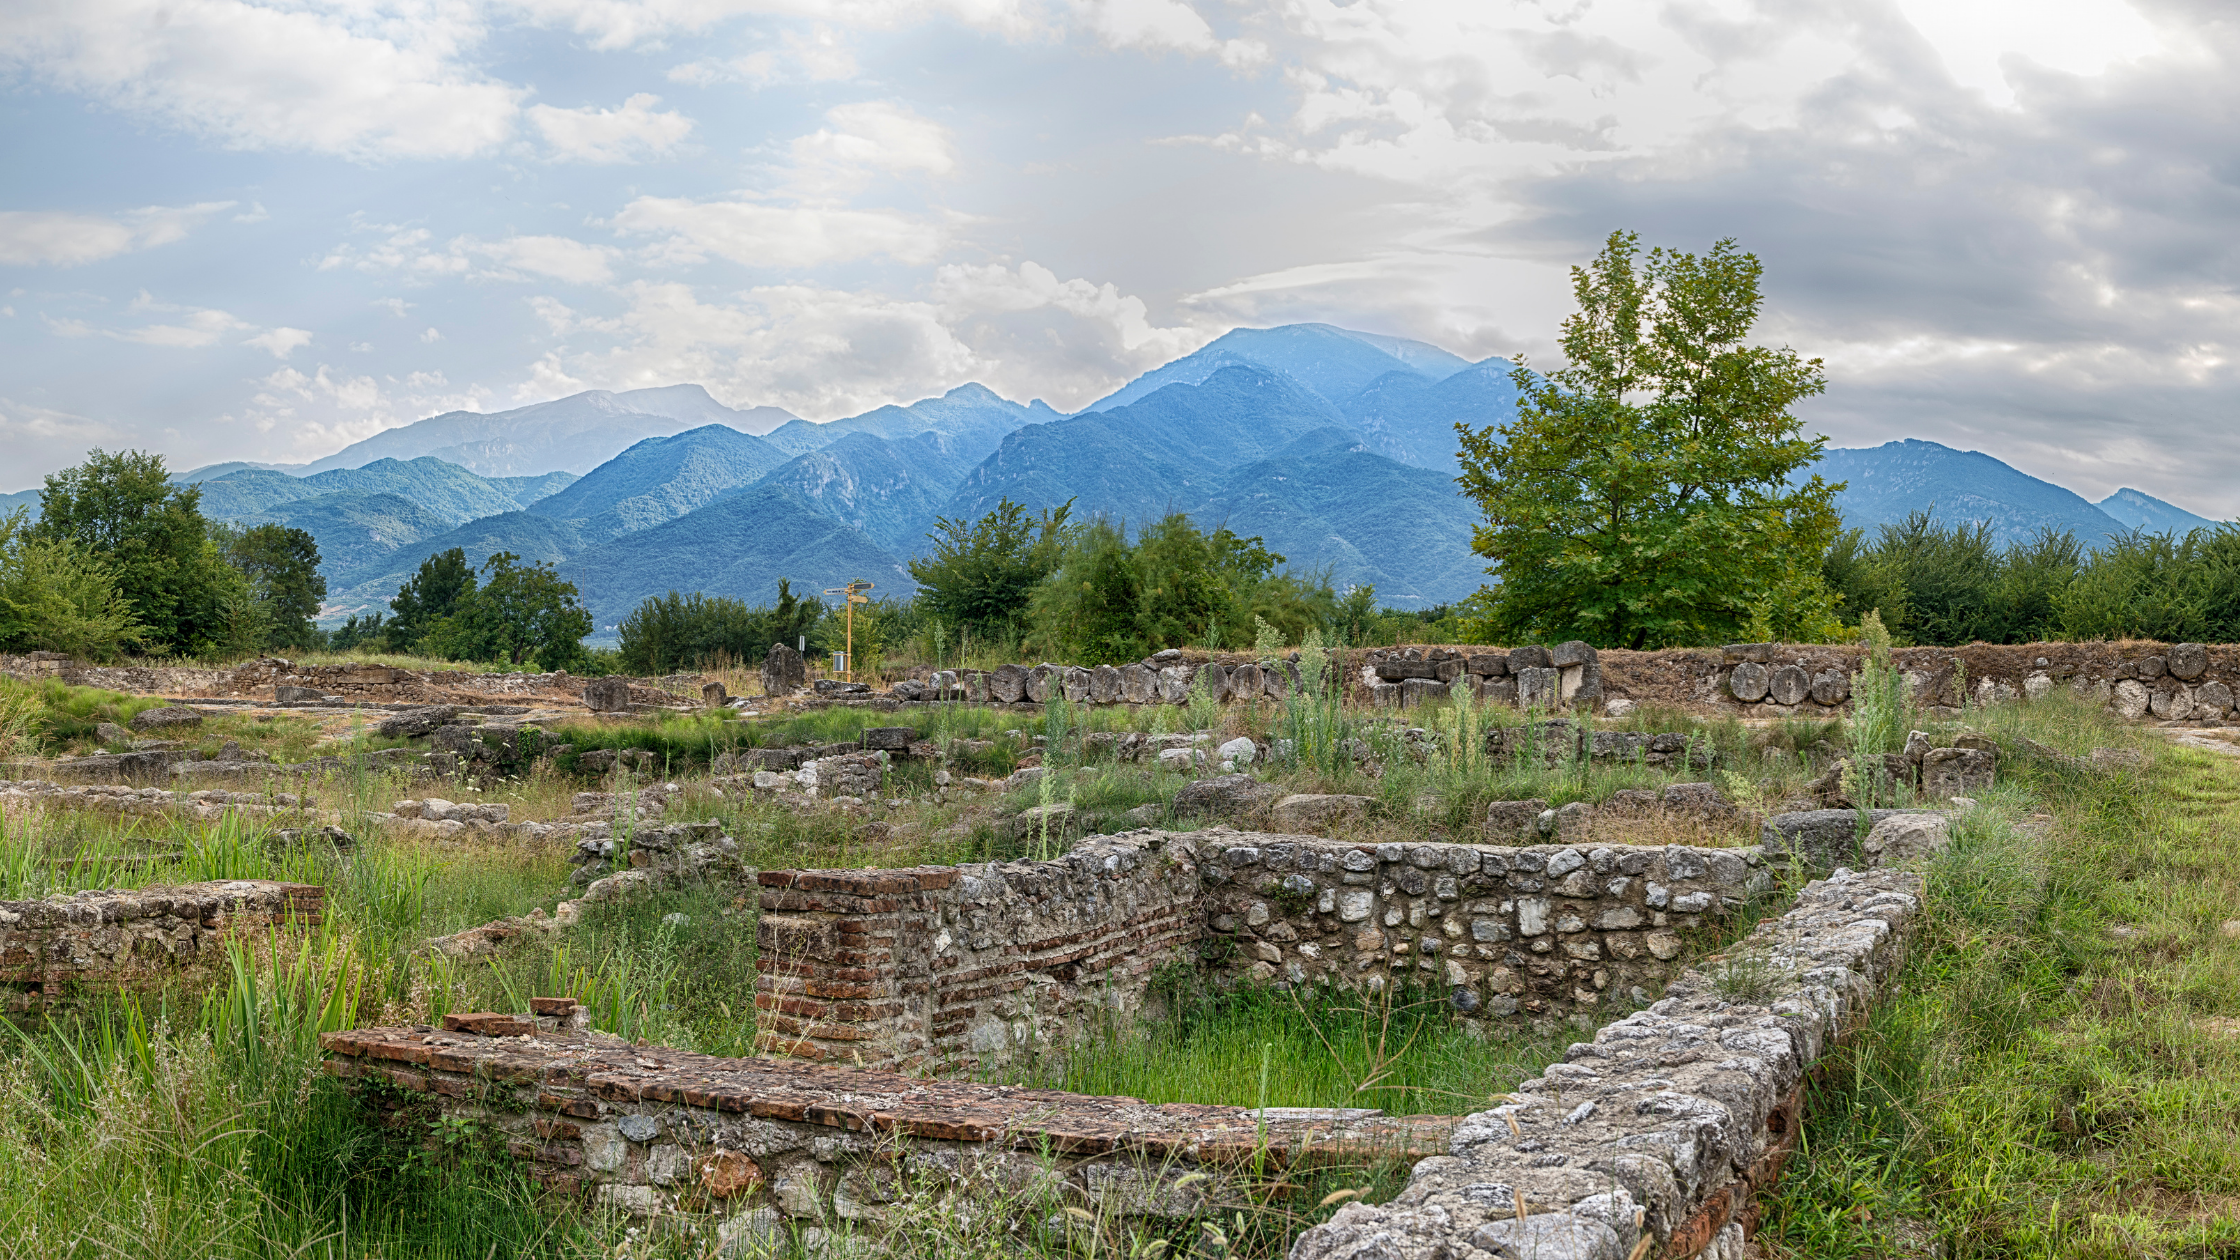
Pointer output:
573, 434
1887, 483
660, 479
1319, 358
2136, 509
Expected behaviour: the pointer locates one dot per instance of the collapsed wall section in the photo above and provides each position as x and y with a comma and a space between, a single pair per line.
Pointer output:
140, 939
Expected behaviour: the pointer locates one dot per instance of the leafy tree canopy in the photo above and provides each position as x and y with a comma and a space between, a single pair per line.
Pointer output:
518, 613
154, 540
282, 566
57, 595
674, 632
1645, 495
982, 574
1113, 600
445, 580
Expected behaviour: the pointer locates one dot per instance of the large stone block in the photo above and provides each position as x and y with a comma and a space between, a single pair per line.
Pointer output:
783, 671
2131, 699
1079, 684
608, 695
1510, 822
1831, 687
1008, 684
1041, 681
1315, 814
1574, 652
1417, 691
1104, 685
1538, 686
1174, 684
1244, 682
1138, 685
2172, 702
176, 717
413, 722
2188, 661
1529, 657
1488, 664
1788, 684
1948, 772
1749, 682
1230, 796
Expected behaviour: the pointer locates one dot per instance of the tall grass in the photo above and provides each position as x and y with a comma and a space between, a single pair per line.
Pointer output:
1881, 700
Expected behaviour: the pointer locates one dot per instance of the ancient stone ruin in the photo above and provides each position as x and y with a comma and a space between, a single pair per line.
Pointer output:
63, 948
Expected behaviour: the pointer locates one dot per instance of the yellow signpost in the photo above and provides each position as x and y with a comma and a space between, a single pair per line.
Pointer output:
854, 594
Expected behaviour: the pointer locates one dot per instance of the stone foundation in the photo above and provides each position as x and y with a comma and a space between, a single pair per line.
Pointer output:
652, 1130
144, 939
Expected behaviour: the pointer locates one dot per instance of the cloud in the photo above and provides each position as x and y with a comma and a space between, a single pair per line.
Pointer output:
381, 79
817, 55
1160, 25
65, 239
628, 134
824, 352
864, 139
554, 257
193, 329
431, 335
280, 342
410, 252
760, 235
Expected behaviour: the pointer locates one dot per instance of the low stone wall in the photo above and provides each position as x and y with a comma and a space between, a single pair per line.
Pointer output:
965, 967
205, 805
1547, 932
1656, 1136
773, 1143
139, 939
968, 966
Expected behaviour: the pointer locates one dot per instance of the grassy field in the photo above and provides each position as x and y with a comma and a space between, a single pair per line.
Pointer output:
199, 1126
2057, 1073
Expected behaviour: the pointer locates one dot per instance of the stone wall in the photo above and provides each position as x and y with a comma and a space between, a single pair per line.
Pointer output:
1656, 1136
2139, 680
776, 1146
965, 967
968, 966
140, 939
1546, 933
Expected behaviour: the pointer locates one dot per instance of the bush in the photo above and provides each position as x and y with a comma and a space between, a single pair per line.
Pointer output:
671, 633
56, 595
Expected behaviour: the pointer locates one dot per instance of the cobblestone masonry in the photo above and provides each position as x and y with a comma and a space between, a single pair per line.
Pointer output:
1656, 1136
141, 939
650, 1129
966, 966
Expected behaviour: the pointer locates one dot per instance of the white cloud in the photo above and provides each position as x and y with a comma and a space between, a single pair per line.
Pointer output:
411, 253
1162, 24
637, 130
825, 352
555, 257
864, 139
431, 335
193, 329
814, 56
395, 306
64, 239
375, 79
760, 235
280, 342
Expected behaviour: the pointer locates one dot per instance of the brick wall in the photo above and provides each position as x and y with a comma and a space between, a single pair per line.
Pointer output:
970, 965
140, 939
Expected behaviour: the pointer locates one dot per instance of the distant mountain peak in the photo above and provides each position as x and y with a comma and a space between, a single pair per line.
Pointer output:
2137, 509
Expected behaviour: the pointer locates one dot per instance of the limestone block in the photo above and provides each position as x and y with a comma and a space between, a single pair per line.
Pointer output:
176, 717
2037, 686
1239, 751
1571, 654
2172, 702
1529, 658
1538, 686
1831, 687
1749, 682
1418, 691
1138, 685
1513, 821
1008, 684
1078, 684
1174, 684
1104, 685
1788, 684
1949, 772
2153, 667
1905, 840
2188, 661
609, 695
1229, 796
783, 671
1244, 682
1041, 681
2131, 699
1212, 679
2212, 700
1315, 813
1487, 664
1183, 759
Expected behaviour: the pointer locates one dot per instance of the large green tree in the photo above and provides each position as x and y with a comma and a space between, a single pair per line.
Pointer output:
152, 536
282, 566
673, 632
982, 574
444, 582
1648, 493
518, 613
57, 595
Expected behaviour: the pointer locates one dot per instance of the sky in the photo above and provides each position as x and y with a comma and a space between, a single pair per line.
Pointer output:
263, 230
